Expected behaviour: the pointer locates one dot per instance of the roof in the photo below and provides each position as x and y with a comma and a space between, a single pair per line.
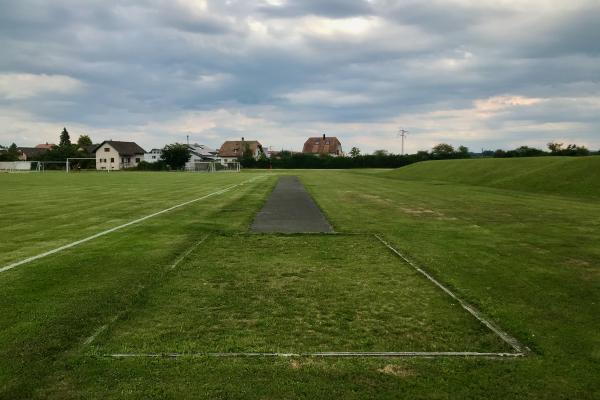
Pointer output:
201, 150
322, 145
31, 151
235, 148
123, 148
46, 145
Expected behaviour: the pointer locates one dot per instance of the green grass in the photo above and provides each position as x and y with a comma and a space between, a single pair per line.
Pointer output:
315, 294
527, 258
565, 176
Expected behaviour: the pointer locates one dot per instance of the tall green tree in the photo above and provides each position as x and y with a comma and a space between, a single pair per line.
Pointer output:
354, 152
176, 155
84, 140
11, 154
65, 139
442, 150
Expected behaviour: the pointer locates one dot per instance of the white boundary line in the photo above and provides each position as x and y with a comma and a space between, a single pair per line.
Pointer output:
426, 354
102, 328
511, 341
520, 351
116, 228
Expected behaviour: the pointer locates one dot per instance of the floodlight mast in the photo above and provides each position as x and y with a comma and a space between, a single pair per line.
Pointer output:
402, 133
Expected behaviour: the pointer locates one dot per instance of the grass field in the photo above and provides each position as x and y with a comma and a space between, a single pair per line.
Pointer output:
192, 281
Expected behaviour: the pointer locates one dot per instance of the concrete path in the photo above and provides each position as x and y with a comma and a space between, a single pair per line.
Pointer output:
290, 209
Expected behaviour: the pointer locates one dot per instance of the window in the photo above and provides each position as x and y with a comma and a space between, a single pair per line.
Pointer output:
112, 159
137, 160
106, 149
153, 157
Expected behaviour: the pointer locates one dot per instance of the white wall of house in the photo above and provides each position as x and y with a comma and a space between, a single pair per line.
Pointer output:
108, 158
153, 156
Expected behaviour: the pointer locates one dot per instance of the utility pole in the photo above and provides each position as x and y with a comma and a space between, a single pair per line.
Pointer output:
402, 133
188, 140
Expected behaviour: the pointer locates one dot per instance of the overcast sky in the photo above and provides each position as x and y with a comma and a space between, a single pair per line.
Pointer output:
482, 73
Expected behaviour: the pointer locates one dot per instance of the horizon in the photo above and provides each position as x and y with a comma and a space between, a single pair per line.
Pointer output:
483, 74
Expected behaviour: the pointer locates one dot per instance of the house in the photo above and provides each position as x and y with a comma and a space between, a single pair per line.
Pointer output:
47, 146
200, 153
114, 155
30, 153
232, 150
323, 146
153, 155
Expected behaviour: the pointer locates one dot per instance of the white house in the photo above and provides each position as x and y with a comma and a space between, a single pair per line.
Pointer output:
153, 155
115, 155
199, 153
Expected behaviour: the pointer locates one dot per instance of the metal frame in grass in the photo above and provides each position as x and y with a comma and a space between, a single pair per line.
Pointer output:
519, 349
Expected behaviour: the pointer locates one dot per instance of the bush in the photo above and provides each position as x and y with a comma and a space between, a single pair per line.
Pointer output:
155, 166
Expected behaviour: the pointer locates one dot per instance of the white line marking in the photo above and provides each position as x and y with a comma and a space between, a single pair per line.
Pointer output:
187, 252
513, 342
106, 232
429, 354
101, 329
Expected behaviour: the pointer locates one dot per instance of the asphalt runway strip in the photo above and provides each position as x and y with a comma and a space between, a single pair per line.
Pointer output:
290, 209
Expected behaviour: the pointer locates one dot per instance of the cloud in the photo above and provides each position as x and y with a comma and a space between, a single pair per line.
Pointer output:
18, 86
480, 73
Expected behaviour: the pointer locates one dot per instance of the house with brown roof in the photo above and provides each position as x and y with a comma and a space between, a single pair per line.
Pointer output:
232, 150
30, 153
47, 146
325, 145
115, 155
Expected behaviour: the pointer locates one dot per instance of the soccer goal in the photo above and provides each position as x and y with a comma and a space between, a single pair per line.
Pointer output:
78, 164
233, 166
202, 166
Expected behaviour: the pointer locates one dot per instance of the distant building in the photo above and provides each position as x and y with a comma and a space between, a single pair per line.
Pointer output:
30, 153
115, 155
200, 153
323, 146
47, 146
153, 155
232, 150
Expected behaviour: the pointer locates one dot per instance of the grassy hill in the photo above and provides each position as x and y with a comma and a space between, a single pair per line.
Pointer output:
574, 176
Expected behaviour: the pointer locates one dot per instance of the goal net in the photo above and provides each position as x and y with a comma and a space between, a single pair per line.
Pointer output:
80, 164
201, 166
213, 166
228, 167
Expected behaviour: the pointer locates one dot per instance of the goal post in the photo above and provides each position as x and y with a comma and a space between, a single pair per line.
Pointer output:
201, 166
213, 166
80, 164
233, 166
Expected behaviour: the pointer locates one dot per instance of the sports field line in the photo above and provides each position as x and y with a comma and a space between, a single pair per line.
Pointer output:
510, 340
111, 321
116, 228
347, 354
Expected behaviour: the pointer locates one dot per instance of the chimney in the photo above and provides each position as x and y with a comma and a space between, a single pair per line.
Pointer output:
323, 136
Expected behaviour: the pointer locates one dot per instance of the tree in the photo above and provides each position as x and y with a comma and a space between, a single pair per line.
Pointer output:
176, 155
380, 153
463, 151
442, 151
65, 139
11, 154
555, 147
354, 152
84, 140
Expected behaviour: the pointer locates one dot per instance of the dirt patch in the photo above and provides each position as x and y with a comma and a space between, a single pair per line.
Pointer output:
400, 371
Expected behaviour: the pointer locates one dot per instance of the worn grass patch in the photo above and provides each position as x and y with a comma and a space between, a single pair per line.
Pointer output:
299, 293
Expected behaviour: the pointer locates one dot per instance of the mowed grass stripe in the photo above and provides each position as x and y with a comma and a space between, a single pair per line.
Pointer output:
136, 221
47, 312
46, 211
